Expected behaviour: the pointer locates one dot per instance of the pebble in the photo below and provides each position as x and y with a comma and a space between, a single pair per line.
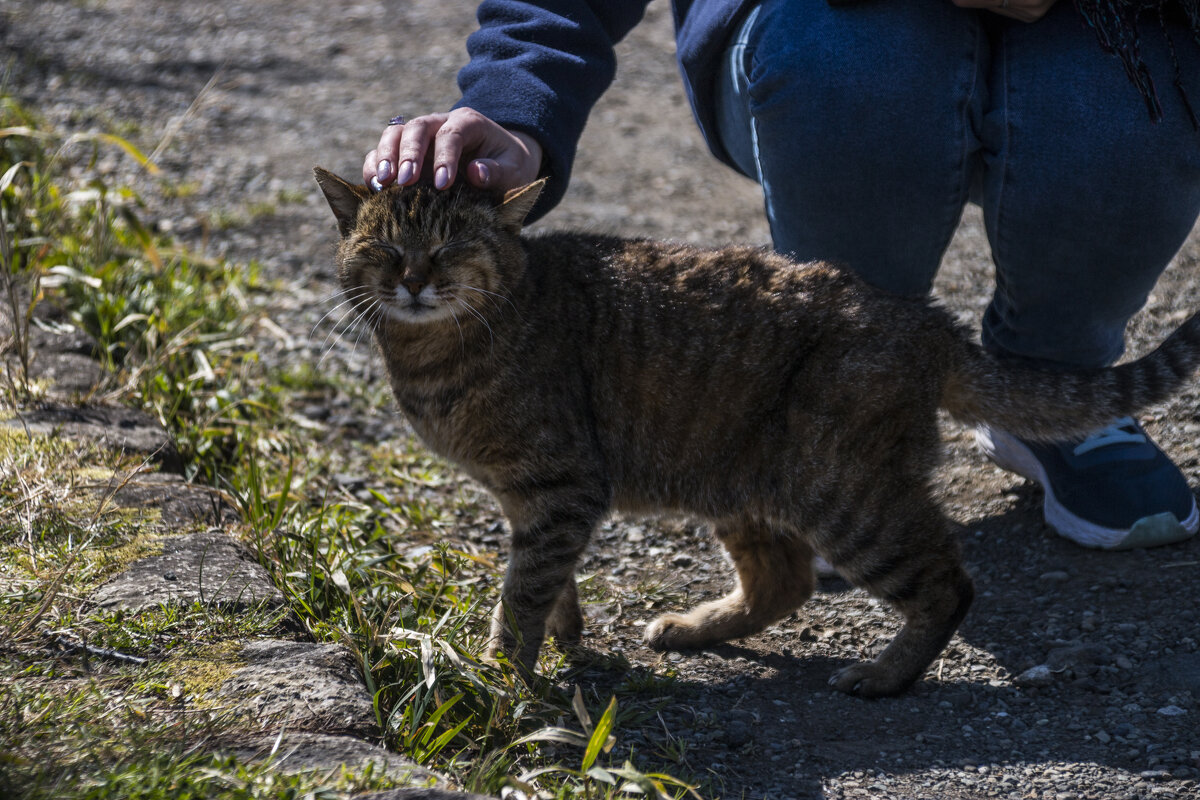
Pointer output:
1035, 676
1172, 711
1054, 576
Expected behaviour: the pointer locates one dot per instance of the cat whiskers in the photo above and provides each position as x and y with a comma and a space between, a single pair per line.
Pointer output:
488, 296
462, 340
327, 314
375, 310
362, 307
470, 309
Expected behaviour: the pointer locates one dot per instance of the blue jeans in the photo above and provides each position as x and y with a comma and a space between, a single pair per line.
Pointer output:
869, 128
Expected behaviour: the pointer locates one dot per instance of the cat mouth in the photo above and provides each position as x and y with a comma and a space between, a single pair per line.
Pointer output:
415, 309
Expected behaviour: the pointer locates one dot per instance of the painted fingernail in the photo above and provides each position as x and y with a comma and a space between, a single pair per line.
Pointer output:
406, 172
383, 171
376, 185
441, 178
485, 174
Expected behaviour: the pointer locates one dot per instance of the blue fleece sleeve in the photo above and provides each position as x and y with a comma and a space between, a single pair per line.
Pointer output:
539, 67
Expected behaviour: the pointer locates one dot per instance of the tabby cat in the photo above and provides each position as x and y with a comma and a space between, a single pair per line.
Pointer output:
789, 404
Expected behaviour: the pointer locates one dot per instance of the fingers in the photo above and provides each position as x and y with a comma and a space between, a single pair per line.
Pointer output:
400, 154
416, 136
441, 146
494, 158
379, 167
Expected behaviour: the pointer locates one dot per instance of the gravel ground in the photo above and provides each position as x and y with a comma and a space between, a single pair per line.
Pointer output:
1076, 673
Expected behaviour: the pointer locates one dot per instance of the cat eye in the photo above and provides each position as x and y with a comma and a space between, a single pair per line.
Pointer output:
449, 249
388, 248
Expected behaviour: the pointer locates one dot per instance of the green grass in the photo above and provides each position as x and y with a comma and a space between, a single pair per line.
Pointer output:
371, 570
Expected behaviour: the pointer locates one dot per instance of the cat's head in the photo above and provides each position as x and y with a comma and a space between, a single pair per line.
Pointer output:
419, 255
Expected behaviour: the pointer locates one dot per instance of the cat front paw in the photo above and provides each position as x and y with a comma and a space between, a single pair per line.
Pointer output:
505, 645
566, 630
565, 622
523, 660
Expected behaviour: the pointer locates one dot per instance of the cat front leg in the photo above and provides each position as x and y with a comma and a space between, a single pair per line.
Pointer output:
565, 622
539, 594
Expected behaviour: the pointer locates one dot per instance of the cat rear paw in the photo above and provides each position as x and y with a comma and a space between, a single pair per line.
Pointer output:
868, 679
674, 632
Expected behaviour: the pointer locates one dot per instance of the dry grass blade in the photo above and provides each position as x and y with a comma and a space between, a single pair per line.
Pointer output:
54, 585
177, 123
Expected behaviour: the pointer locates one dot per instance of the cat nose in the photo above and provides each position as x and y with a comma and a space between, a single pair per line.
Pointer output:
414, 287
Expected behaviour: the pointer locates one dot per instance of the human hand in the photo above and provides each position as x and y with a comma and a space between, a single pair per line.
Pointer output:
1023, 10
442, 144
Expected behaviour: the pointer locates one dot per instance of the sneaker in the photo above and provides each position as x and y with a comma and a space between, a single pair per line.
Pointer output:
824, 569
1114, 489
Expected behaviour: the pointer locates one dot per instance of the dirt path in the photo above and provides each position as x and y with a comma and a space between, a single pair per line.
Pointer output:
251, 94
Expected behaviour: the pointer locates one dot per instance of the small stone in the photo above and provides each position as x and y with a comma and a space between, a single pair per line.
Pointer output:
1102, 737
1172, 711
1035, 676
1054, 576
1124, 663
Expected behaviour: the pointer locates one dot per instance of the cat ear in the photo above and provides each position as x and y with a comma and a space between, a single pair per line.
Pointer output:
518, 203
343, 197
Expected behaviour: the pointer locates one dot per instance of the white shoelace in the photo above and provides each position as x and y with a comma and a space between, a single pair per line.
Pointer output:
1113, 434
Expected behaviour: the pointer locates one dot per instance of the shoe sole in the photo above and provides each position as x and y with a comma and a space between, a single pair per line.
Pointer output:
1011, 454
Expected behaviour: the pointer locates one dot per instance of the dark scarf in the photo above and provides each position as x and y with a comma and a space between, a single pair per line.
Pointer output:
1116, 26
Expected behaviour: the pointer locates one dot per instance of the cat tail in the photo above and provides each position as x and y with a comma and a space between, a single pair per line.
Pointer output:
1047, 405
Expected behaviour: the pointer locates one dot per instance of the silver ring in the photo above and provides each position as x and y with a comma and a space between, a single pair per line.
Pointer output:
399, 118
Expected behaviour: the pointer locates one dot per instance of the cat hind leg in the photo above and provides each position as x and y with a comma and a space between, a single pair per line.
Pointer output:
915, 567
774, 577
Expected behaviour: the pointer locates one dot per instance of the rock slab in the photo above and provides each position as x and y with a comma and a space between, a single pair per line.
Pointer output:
303, 752
127, 430
303, 686
209, 567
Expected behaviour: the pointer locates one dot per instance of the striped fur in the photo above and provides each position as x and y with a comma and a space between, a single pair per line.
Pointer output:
789, 404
